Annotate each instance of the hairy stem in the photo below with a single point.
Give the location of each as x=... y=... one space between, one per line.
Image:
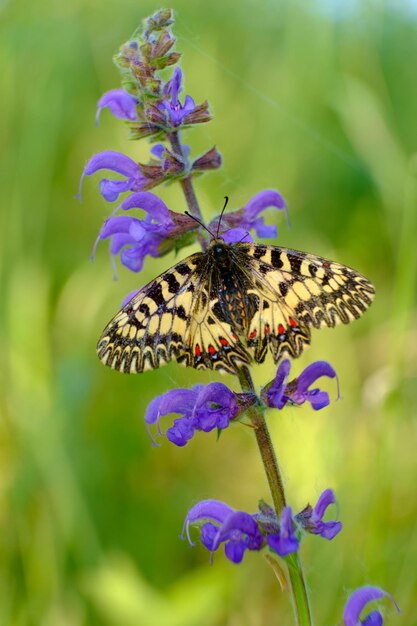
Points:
x=265 y=446
x=186 y=183
x=295 y=572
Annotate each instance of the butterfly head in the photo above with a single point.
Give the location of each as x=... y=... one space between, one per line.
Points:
x=220 y=252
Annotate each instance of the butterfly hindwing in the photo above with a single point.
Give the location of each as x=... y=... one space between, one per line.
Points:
x=213 y=343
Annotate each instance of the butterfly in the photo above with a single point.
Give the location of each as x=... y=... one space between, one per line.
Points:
x=225 y=307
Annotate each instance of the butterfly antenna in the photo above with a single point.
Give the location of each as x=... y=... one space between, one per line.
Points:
x=244 y=237
x=199 y=222
x=226 y=198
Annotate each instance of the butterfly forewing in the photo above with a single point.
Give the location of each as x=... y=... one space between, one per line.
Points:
x=298 y=290
x=150 y=329
x=222 y=308
x=172 y=317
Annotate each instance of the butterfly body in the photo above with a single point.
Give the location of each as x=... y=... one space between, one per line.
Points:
x=225 y=307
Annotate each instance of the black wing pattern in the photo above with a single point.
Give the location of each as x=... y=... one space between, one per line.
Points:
x=171 y=317
x=220 y=312
x=297 y=291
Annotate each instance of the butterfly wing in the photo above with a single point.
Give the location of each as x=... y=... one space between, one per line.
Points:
x=172 y=317
x=297 y=291
x=209 y=318
x=213 y=337
x=149 y=330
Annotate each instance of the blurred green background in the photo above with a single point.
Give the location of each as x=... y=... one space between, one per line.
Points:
x=316 y=102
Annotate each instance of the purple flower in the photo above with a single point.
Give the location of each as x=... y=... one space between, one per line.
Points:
x=236 y=235
x=179 y=401
x=204 y=408
x=280 y=392
x=168 y=164
x=285 y=541
x=239 y=531
x=248 y=218
x=357 y=602
x=138 y=176
x=215 y=407
x=134 y=238
x=312 y=519
x=257 y=204
x=120 y=164
x=121 y=103
x=175 y=112
x=170 y=113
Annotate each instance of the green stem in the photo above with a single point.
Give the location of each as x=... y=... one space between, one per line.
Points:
x=295 y=571
x=299 y=594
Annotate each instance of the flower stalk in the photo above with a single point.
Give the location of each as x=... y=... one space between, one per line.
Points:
x=255 y=412
x=297 y=584
x=187 y=185
x=300 y=601
x=156 y=109
x=266 y=449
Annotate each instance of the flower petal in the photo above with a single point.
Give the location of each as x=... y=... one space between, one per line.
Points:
x=121 y=103
x=318 y=399
x=262 y=201
x=134 y=256
x=266 y=231
x=189 y=105
x=174 y=86
x=274 y=395
x=109 y=160
x=117 y=225
x=311 y=520
x=119 y=241
x=181 y=432
x=373 y=619
x=208 y=534
x=329 y=530
x=235 y=550
x=111 y=189
x=180 y=401
x=312 y=372
x=240 y=522
x=357 y=602
x=285 y=541
x=215 y=406
x=236 y=235
x=158 y=150
x=149 y=202
x=326 y=498
x=214 y=510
